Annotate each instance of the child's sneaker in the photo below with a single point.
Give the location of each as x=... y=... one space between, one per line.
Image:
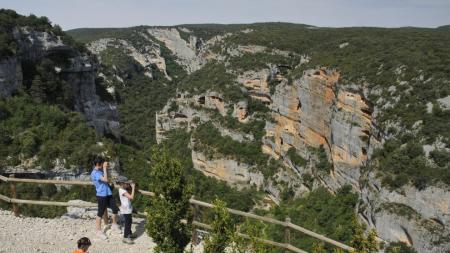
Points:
x=116 y=228
x=127 y=241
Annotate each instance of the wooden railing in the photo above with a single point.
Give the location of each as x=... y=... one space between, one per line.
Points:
x=195 y=205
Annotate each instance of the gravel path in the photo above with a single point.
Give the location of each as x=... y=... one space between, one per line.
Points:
x=24 y=234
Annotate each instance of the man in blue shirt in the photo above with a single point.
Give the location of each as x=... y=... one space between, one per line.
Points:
x=99 y=177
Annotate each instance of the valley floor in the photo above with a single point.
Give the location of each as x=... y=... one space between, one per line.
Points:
x=24 y=234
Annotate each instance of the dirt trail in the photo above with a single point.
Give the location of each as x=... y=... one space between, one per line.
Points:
x=24 y=234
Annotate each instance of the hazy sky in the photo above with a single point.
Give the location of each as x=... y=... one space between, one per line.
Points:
x=336 y=13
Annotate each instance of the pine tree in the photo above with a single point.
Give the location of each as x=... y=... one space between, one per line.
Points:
x=363 y=243
x=165 y=212
x=220 y=237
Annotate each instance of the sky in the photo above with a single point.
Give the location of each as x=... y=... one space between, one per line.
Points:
x=70 y=14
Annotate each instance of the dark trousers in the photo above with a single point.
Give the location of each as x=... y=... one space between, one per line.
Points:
x=128 y=220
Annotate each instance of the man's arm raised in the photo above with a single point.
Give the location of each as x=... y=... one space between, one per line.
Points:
x=104 y=178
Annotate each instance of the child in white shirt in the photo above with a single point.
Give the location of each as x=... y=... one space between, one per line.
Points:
x=126 y=193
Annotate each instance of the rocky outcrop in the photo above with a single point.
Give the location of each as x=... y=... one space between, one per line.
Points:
x=228 y=170
x=80 y=74
x=187 y=111
x=35 y=44
x=420 y=218
x=188 y=53
x=315 y=111
x=148 y=55
x=74 y=212
x=60 y=171
x=100 y=115
x=240 y=111
x=257 y=83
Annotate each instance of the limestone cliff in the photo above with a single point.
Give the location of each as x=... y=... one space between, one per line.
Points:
x=419 y=218
x=80 y=75
x=315 y=111
x=188 y=53
x=145 y=56
x=228 y=170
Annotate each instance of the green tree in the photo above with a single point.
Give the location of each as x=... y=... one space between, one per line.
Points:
x=37 y=90
x=171 y=205
x=323 y=164
x=223 y=229
x=256 y=230
x=363 y=243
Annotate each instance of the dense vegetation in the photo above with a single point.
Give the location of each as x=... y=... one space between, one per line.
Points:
x=28 y=129
x=212 y=77
x=320 y=212
x=209 y=140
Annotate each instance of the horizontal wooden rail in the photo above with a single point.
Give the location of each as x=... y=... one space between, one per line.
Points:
x=44 y=181
x=61 y=182
x=45 y=203
x=240 y=213
x=277 y=222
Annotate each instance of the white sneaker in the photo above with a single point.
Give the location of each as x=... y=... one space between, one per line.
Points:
x=101 y=235
x=116 y=228
x=127 y=241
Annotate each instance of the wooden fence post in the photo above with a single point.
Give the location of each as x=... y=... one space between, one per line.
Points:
x=14 y=196
x=287 y=233
x=195 y=214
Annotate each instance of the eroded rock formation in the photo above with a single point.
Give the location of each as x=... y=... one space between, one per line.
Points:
x=80 y=75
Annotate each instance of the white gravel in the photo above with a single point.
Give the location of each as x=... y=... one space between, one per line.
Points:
x=24 y=234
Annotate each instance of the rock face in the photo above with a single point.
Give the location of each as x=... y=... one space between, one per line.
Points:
x=420 y=218
x=228 y=170
x=314 y=112
x=257 y=83
x=100 y=115
x=80 y=75
x=145 y=56
x=10 y=76
x=188 y=53
x=190 y=111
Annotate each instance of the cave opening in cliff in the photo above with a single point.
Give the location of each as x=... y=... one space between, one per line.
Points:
x=202 y=100
x=367 y=111
x=281 y=141
x=366 y=132
x=364 y=151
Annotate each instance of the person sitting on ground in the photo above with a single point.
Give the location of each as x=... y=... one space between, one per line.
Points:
x=83 y=245
x=126 y=193
x=105 y=199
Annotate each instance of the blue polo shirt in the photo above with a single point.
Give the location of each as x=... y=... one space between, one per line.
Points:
x=101 y=187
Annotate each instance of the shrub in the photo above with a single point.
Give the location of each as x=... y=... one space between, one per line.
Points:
x=171 y=205
x=223 y=230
